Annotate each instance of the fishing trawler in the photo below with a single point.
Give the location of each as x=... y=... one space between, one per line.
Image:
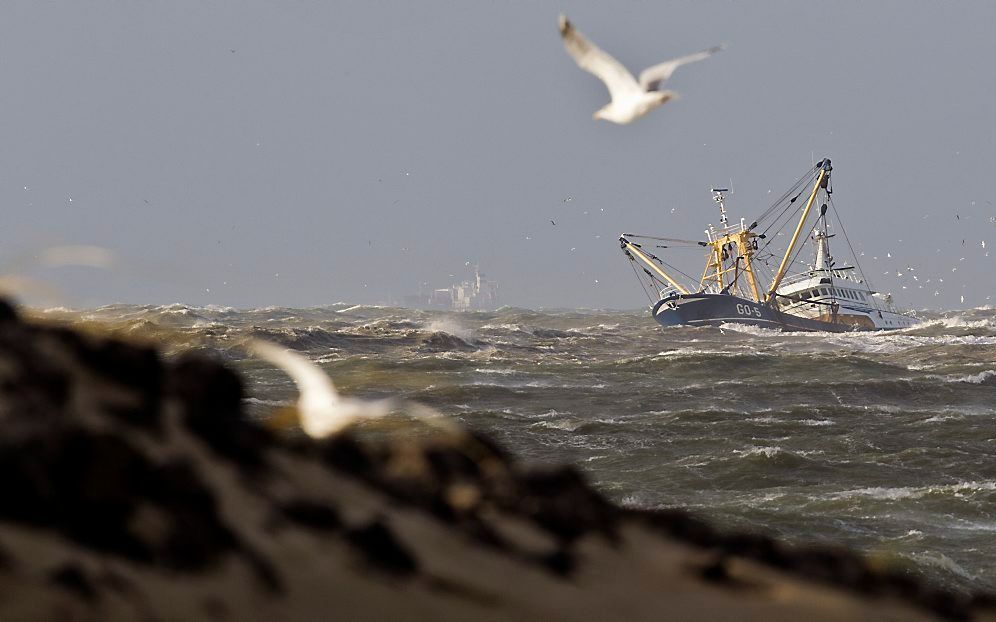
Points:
x=820 y=296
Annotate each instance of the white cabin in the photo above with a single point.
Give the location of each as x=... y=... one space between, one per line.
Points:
x=825 y=290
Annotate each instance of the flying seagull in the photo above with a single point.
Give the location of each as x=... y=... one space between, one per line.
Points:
x=631 y=99
x=320 y=409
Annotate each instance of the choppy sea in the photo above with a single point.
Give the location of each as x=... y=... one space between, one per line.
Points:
x=881 y=441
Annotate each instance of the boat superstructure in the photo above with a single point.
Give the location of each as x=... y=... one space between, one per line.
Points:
x=741 y=283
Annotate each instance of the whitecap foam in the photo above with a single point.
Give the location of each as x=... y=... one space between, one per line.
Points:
x=513 y=328
x=553 y=412
x=681 y=353
x=751 y=329
x=631 y=501
x=567 y=425
x=893 y=342
x=940 y=418
x=450 y=326
x=960 y=321
x=978 y=378
x=764 y=420
x=767 y=452
x=591 y=330
x=961 y=489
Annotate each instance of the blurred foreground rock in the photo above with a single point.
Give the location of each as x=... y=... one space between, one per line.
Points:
x=135 y=489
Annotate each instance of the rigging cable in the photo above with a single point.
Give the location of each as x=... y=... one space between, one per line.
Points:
x=786 y=215
x=853 y=254
x=800 y=182
x=632 y=264
x=670 y=267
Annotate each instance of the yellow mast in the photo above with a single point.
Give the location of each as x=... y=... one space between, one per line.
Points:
x=824 y=171
x=713 y=268
x=714 y=271
x=723 y=241
x=653 y=266
x=749 y=269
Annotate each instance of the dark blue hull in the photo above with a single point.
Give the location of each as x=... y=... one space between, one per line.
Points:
x=717 y=309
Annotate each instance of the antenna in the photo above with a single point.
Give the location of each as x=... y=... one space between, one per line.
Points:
x=717 y=196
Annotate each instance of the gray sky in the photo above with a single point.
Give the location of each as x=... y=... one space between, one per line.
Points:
x=300 y=153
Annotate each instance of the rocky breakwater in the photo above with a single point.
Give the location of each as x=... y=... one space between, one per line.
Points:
x=134 y=488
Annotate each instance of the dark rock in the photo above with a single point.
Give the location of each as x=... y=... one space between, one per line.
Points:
x=833 y=564
x=139 y=368
x=716 y=571
x=73 y=578
x=32 y=380
x=311 y=514
x=212 y=398
x=78 y=482
x=947 y=604
x=679 y=524
x=560 y=562
x=382 y=550
x=483 y=533
x=90 y=486
x=7 y=312
x=346 y=454
x=561 y=502
x=754 y=546
x=196 y=534
x=449 y=463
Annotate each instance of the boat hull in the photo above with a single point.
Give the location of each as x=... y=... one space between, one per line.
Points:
x=716 y=309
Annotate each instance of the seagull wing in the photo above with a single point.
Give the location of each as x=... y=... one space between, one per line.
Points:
x=320 y=410
x=589 y=57
x=316 y=393
x=653 y=77
x=309 y=378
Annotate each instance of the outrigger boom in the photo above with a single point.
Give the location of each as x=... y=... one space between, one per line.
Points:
x=824 y=297
x=635 y=249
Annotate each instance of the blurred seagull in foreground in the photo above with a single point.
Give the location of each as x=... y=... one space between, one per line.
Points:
x=631 y=99
x=320 y=409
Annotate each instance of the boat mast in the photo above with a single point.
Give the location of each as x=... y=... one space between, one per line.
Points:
x=729 y=242
x=820 y=182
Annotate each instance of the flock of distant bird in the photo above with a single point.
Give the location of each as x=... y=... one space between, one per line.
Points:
x=910 y=271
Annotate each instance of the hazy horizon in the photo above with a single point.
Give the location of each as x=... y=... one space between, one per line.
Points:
x=309 y=153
